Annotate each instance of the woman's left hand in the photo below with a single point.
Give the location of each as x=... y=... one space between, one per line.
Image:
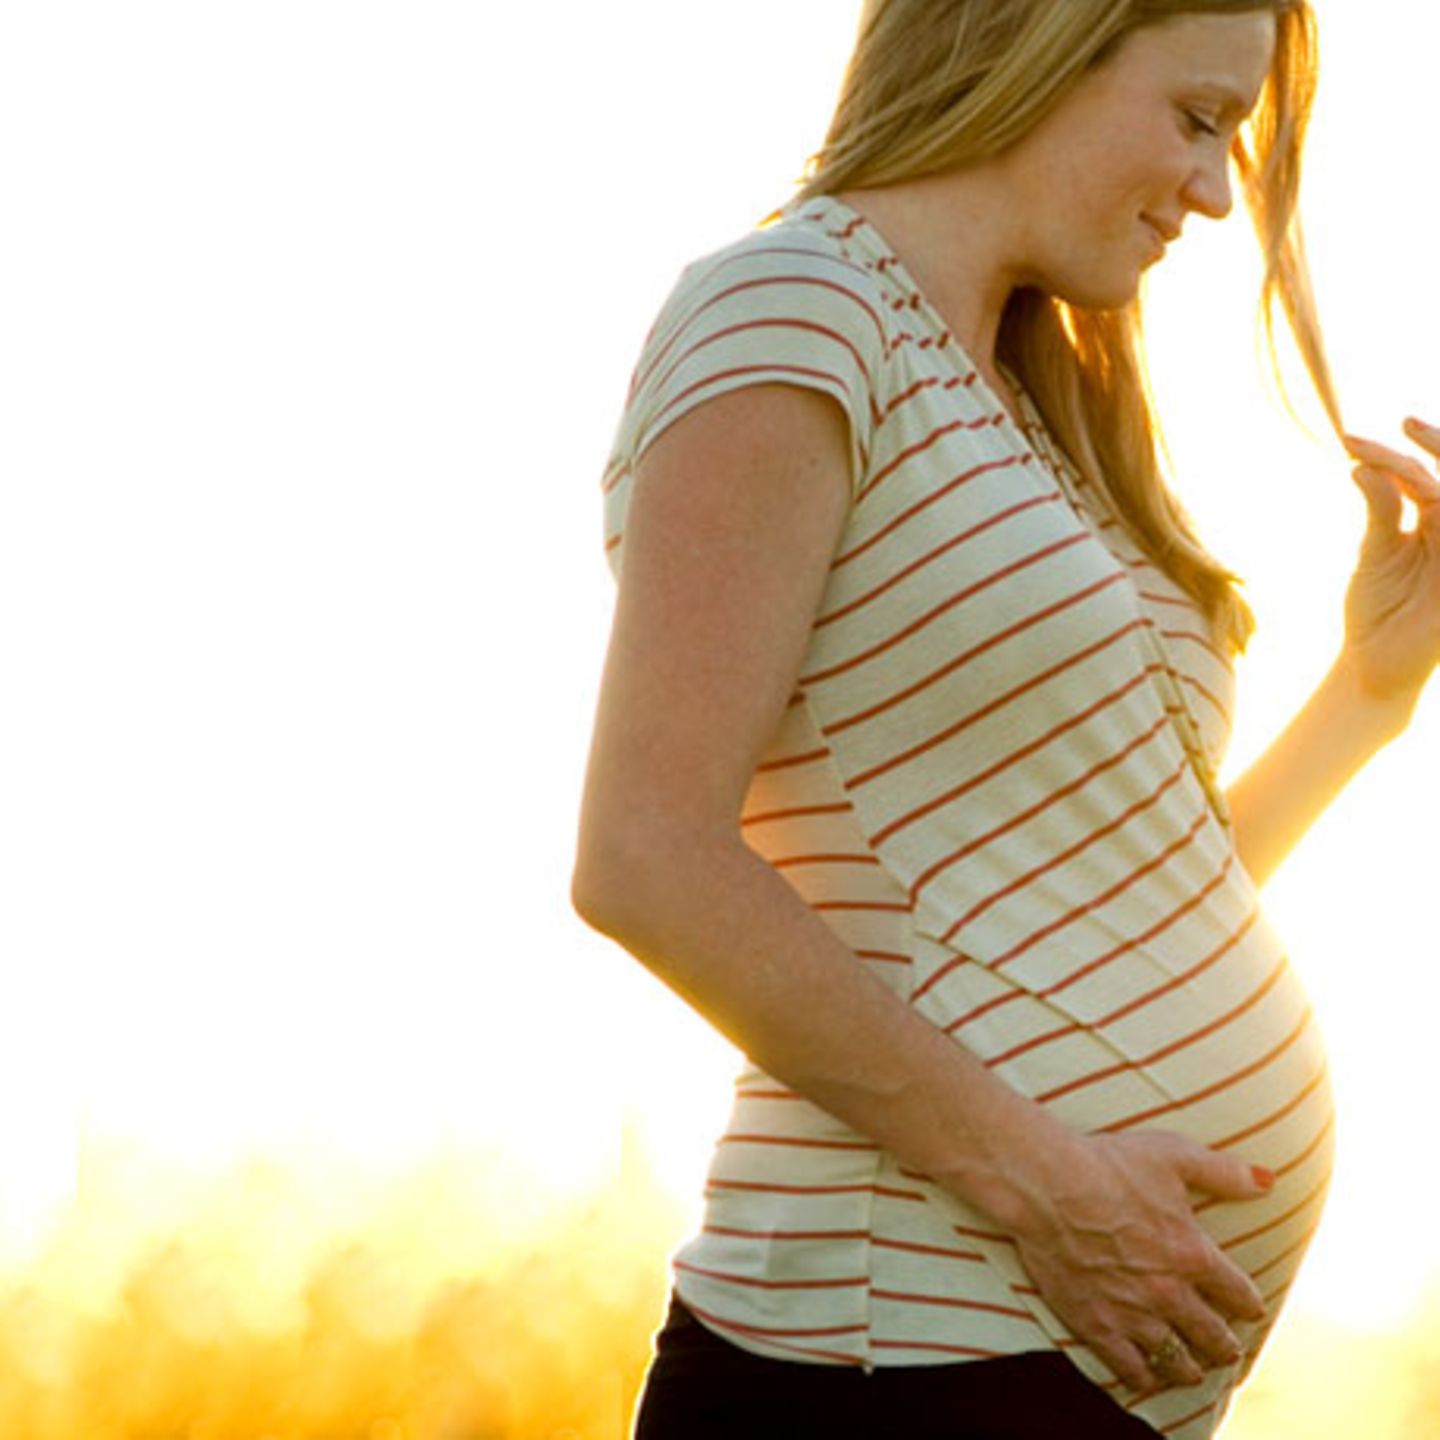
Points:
x=1392 y=606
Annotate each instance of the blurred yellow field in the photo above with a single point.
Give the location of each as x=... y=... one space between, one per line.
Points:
x=461 y=1309
x=469 y=1305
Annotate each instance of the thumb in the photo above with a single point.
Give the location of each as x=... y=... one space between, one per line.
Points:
x=1223 y=1176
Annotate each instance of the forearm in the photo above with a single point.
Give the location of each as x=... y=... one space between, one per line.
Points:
x=719 y=926
x=1338 y=730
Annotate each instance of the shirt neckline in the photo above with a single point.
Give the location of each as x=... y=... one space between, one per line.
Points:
x=850 y=224
x=1026 y=431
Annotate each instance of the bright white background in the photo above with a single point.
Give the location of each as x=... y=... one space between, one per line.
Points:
x=314 y=323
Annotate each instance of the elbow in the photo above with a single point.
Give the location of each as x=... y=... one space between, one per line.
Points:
x=593 y=895
x=640 y=884
x=612 y=877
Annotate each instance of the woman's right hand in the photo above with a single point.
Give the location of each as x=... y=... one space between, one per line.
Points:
x=1113 y=1246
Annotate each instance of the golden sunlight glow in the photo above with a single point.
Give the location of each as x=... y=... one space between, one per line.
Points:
x=326 y=1116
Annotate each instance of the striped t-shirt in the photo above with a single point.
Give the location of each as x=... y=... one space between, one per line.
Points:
x=995 y=782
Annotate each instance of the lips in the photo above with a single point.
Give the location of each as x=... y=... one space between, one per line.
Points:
x=1161 y=234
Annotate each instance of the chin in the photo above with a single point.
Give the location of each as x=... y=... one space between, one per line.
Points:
x=1111 y=292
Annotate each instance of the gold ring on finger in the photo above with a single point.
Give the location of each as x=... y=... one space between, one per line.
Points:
x=1170 y=1351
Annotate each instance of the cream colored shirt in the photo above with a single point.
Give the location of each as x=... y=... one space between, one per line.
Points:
x=996 y=783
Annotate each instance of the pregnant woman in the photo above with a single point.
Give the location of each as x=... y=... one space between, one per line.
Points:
x=904 y=772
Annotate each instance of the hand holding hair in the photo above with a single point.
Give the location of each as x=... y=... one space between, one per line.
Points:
x=1392 y=607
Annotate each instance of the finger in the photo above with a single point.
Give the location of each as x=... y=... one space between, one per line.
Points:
x=1423 y=434
x=1126 y=1361
x=1167 y=1355
x=1384 y=506
x=1372 y=452
x=1207 y=1337
x=1420 y=484
x=1230 y=1291
x=1224 y=1176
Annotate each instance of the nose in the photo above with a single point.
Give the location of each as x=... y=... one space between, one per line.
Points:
x=1209 y=189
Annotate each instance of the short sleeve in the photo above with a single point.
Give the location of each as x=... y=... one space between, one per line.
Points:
x=779 y=308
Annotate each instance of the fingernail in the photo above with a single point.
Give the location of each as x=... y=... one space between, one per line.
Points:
x=1264 y=1178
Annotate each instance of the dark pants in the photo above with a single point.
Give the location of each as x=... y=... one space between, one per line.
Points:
x=701 y=1387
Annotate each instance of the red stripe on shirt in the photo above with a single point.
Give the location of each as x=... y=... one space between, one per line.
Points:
x=785 y=1236
x=789 y=761
x=798 y=812
x=1186 y=976
x=1189 y=1419
x=1287 y=1254
x=1101 y=900
x=776 y=322
x=790 y=861
x=1061 y=857
x=1310 y=1202
x=1174 y=1047
x=1145 y=936
x=932 y=497
x=865 y=1147
x=1244 y=1073
x=900 y=576
x=984 y=422
x=1013 y=757
x=933 y=1347
x=914 y=1247
x=686 y=323
x=719 y=377
x=1275 y=1116
x=953 y=1302
x=748 y=1186
x=969 y=656
x=755 y=1283
x=1132 y=943
x=994 y=577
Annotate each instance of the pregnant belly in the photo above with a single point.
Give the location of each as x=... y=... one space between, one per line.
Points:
x=1215 y=1041
x=1218 y=1043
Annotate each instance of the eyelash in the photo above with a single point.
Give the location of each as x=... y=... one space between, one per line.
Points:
x=1198 y=124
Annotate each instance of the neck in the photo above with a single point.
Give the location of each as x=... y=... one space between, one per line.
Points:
x=952 y=234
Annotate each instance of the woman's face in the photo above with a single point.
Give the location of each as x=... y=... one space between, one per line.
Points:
x=1106 y=181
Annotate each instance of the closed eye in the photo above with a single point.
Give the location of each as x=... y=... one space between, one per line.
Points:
x=1198 y=124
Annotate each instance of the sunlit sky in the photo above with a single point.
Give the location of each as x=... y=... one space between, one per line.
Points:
x=314 y=324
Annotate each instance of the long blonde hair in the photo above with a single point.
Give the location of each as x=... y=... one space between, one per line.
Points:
x=939 y=84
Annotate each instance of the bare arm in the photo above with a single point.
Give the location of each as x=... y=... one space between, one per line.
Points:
x=723 y=569
x=1392 y=643
x=1276 y=801
x=733 y=521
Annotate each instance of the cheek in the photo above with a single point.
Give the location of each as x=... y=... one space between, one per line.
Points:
x=1168 y=160
x=1138 y=189
x=1114 y=207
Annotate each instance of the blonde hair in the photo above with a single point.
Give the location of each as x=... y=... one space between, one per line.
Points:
x=939 y=84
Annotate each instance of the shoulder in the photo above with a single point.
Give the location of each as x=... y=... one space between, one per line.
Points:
x=788 y=304
x=799 y=266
